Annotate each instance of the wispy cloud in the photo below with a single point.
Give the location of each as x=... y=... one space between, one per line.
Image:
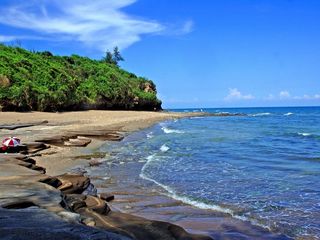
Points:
x=286 y=95
x=4 y=38
x=235 y=94
x=187 y=27
x=99 y=24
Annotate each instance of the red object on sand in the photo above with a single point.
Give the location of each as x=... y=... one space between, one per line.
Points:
x=10 y=142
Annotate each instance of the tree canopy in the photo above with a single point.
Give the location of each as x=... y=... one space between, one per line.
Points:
x=42 y=81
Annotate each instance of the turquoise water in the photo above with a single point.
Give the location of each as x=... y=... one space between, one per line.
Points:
x=263 y=167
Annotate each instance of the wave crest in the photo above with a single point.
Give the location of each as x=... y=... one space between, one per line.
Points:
x=168 y=130
x=304 y=134
x=164 y=148
x=260 y=114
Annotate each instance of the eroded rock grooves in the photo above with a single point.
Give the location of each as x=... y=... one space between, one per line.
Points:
x=34 y=205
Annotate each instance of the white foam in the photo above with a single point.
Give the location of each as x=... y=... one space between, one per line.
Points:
x=164 y=148
x=260 y=114
x=149 y=159
x=172 y=194
x=168 y=130
x=150 y=135
x=197 y=117
x=288 y=114
x=304 y=134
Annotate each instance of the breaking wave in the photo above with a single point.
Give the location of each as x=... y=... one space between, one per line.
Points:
x=168 y=130
x=164 y=148
x=260 y=114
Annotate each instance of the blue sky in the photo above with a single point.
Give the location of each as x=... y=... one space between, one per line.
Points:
x=200 y=53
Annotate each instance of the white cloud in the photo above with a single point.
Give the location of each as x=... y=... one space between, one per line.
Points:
x=235 y=94
x=187 y=27
x=7 y=38
x=270 y=97
x=99 y=24
x=284 y=94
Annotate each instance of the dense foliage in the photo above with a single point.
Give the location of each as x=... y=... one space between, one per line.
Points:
x=44 y=82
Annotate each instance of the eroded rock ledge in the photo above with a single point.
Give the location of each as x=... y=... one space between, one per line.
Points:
x=34 y=205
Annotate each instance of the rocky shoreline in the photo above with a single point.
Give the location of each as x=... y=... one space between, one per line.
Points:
x=36 y=205
x=45 y=195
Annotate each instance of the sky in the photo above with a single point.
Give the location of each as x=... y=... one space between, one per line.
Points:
x=199 y=53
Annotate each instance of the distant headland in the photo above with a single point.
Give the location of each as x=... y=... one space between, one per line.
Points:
x=41 y=81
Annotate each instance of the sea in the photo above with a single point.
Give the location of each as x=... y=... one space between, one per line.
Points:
x=262 y=166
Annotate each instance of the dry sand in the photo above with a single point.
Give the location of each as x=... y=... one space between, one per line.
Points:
x=58 y=160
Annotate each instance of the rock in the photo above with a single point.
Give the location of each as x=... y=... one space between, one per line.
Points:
x=33 y=147
x=22 y=125
x=73 y=183
x=89 y=222
x=96 y=204
x=35 y=223
x=90 y=190
x=139 y=228
x=57 y=140
x=106 y=196
x=75 y=201
x=78 y=142
x=95 y=162
x=70 y=216
x=52 y=181
x=105 y=135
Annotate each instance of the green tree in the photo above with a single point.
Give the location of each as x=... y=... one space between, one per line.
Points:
x=109 y=58
x=117 y=56
x=113 y=58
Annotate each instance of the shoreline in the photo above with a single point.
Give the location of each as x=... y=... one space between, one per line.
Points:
x=60 y=136
x=59 y=159
x=147 y=198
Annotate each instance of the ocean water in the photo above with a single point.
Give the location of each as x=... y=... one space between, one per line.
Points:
x=263 y=167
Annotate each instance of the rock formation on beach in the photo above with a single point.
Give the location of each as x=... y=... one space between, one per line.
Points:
x=34 y=205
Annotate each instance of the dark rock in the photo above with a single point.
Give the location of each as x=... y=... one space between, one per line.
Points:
x=33 y=147
x=34 y=223
x=106 y=196
x=52 y=181
x=90 y=190
x=22 y=125
x=96 y=204
x=75 y=201
x=73 y=183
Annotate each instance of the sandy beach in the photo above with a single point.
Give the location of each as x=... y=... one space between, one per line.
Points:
x=54 y=144
x=73 y=139
x=123 y=122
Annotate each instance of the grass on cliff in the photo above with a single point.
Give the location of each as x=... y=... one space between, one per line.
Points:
x=40 y=81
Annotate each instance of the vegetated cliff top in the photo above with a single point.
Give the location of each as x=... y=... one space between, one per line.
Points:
x=40 y=81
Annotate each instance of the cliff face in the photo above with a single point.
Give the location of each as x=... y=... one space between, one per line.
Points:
x=40 y=81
